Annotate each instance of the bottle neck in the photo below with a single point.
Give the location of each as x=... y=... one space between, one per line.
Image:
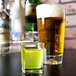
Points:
x=29 y=1
x=33 y=1
x=17 y=2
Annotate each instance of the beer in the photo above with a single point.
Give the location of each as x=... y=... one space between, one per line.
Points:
x=52 y=34
x=51 y=27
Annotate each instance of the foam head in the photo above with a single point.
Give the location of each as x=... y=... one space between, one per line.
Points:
x=47 y=10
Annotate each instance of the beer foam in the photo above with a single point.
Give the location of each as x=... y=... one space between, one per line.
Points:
x=48 y=10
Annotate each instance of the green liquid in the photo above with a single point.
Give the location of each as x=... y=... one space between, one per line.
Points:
x=32 y=58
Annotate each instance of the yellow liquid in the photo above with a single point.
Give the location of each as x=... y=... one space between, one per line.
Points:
x=32 y=58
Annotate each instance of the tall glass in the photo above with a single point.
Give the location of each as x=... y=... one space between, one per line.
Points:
x=51 y=27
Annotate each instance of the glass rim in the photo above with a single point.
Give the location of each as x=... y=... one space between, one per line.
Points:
x=32 y=43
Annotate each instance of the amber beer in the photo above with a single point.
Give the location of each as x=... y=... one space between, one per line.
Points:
x=51 y=27
x=52 y=34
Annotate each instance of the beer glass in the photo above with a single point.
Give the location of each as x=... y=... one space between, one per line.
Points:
x=51 y=27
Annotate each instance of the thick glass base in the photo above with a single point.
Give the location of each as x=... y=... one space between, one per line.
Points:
x=32 y=71
x=54 y=60
x=29 y=74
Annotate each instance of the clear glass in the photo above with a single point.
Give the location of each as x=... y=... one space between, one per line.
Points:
x=32 y=57
x=31 y=36
x=51 y=28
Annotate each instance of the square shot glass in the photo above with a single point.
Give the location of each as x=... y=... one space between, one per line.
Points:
x=32 y=57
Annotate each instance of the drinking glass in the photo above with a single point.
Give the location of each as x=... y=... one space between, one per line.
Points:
x=51 y=27
x=32 y=57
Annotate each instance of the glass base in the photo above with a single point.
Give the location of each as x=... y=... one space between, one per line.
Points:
x=54 y=60
x=29 y=74
x=32 y=71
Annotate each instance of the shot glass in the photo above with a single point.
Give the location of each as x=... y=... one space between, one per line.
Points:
x=32 y=57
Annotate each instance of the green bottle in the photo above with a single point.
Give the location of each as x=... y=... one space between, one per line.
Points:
x=30 y=15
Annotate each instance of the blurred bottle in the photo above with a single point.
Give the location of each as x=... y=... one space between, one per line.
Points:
x=30 y=19
x=17 y=16
x=4 y=29
x=1 y=5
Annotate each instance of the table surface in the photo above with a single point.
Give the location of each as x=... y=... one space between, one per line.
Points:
x=10 y=65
